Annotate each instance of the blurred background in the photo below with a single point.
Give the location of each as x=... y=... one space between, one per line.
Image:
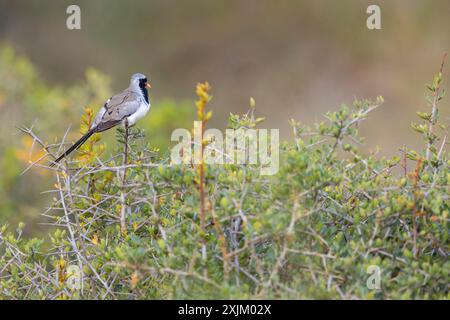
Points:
x=298 y=59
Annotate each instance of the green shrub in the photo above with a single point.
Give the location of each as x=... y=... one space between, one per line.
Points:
x=310 y=231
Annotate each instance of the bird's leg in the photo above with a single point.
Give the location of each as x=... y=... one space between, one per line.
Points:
x=126 y=143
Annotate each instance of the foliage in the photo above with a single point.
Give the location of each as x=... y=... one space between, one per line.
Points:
x=25 y=99
x=310 y=231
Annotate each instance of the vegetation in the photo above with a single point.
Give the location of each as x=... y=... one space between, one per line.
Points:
x=25 y=98
x=203 y=231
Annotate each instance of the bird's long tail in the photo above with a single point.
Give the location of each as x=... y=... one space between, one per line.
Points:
x=75 y=146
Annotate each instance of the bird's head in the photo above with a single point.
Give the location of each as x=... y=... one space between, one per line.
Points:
x=139 y=80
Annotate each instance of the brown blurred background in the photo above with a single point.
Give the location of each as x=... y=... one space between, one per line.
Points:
x=298 y=59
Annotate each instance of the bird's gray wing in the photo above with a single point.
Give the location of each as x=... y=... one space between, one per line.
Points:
x=98 y=118
x=116 y=109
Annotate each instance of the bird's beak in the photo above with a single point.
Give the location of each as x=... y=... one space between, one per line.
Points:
x=148 y=85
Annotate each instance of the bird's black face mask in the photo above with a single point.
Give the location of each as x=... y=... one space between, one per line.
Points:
x=142 y=85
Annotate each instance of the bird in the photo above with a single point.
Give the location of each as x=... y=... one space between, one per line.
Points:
x=125 y=108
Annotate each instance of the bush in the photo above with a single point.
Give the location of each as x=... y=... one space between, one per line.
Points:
x=26 y=99
x=316 y=229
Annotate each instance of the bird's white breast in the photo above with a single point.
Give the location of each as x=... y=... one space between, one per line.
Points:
x=140 y=113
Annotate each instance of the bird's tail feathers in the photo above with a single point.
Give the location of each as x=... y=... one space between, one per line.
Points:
x=75 y=146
